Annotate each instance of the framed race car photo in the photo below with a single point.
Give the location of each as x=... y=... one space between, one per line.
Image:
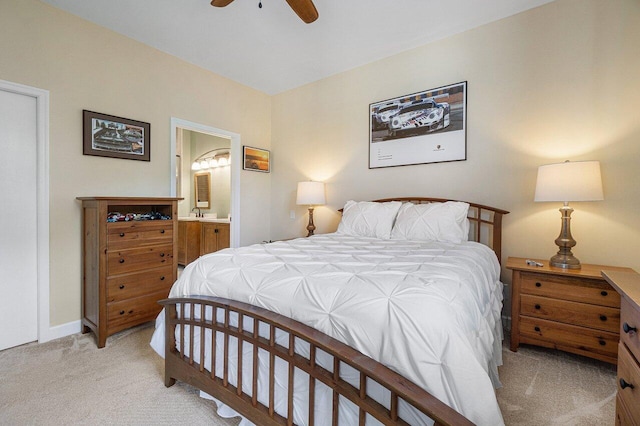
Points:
x=424 y=127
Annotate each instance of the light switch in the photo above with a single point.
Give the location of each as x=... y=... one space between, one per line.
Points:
x=292 y=214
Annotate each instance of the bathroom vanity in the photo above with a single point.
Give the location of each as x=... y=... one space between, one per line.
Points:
x=200 y=236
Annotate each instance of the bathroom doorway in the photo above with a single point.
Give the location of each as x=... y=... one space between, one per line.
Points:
x=206 y=159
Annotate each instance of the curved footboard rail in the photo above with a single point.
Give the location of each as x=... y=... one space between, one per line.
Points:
x=208 y=337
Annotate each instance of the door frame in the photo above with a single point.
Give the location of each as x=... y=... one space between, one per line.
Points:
x=236 y=167
x=45 y=333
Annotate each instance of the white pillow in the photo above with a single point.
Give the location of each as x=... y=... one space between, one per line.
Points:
x=368 y=218
x=445 y=222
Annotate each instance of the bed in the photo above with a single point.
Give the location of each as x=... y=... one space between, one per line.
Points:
x=393 y=319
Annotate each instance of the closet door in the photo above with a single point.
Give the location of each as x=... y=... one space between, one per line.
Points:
x=18 y=227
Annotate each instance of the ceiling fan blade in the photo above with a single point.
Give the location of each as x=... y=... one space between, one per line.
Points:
x=220 y=3
x=305 y=9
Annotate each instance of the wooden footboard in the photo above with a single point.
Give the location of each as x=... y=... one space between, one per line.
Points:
x=241 y=321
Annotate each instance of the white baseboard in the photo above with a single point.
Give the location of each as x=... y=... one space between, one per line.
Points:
x=60 y=331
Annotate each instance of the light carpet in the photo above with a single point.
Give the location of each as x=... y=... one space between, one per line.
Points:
x=70 y=382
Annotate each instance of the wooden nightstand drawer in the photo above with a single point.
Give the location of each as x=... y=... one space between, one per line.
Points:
x=121 y=315
x=595 y=292
x=623 y=415
x=581 y=340
x=631 y=317
x=138 y=284
x=124 y=261
x=582 y=314
x=629 y=381
x=122 y=235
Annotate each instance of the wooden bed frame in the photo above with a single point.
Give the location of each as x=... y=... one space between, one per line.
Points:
x=241 y=321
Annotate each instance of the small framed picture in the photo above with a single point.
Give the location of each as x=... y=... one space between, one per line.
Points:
x=109 y=136
x=256 y=159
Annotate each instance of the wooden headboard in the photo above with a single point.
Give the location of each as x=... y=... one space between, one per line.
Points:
x=485 y=223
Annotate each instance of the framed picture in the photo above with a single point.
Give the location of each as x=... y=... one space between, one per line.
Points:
x=256 y=159
x=108 y=136
x=424 y=127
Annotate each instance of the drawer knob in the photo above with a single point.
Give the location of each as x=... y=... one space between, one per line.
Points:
x=162 y=278
x=604 y=293
x=538 y=284
x=629 y=329
x=624 y=384
x=602 y=342
x=162 y=232
x=603 y=317
x=121 y=260
x=122 y=234
x=121 y=312
x=121 y=286
x=537 y=306
x=536 y=328
x=161 y=254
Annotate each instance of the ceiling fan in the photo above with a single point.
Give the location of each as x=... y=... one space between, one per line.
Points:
x=305 y=9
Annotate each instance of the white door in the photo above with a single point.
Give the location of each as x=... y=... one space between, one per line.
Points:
x=18 y=227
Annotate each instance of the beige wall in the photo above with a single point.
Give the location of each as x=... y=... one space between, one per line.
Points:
x=85 y=66
x=554 y=83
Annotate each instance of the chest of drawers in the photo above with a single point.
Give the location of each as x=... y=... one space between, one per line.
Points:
x=628 y=398
x=572 y=310
x=127 y=266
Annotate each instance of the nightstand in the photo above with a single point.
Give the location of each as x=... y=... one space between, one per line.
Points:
x=574 y=310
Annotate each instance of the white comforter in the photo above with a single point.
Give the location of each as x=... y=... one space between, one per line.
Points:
x=428 y=310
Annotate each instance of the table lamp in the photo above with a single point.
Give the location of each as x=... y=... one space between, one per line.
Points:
x=311 y=194
x=568 y=181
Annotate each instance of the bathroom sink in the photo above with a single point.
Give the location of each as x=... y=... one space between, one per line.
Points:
x=189 y=218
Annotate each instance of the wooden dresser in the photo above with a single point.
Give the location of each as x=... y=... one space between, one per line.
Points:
x=574 y=310
x=628 y=399
x=127 y=265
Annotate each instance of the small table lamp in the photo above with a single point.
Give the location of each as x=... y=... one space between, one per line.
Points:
x=311 y=194
x=568 y=181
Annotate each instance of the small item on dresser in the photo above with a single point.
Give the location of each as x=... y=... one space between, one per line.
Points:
x=533 y=263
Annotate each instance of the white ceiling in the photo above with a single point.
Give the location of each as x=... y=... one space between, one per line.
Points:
x=271 y=49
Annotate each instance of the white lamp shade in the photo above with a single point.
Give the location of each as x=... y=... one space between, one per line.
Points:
x=310 y=193
x=569 y=181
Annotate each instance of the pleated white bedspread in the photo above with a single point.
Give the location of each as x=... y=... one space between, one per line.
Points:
x=428 y=310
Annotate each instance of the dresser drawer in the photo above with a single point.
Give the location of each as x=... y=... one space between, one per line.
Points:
x=134 y=234
x=631 y=317
x=623 y=414
x=121 y=315
x=148 y=257
x=629 y=371
x=592 y=316
x=566 y=337
x=596 y=292
x=138 y=284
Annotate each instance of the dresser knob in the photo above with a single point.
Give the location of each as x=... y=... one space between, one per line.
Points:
x=121 y=286
x=629 y=329
x=624 y=384
x=161 y=254
x=536 y=328
x=537 y=306
x=162 y=232
x=121 y=312
x=538 y=285
x=602 y=342
x=121 y=260
x=162 y=278
x=122 y=234
x=604 y=293
x=603 y=317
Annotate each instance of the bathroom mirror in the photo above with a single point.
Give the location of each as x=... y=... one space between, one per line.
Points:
x=202 y=185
